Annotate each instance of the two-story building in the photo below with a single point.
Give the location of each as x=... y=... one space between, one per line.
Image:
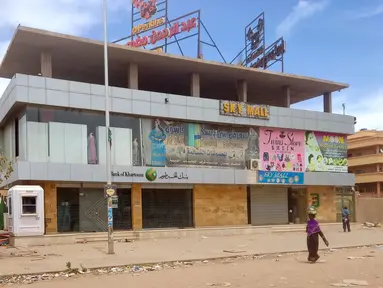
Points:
x=365 y=152
x=194 y=143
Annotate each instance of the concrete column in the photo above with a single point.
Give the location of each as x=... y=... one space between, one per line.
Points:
x=136 y=203
x=242 y=90
x=195 y=85
x=46 y=64
x=378 y=189
x=286 y=97
x=327 y=102
x=377 y=149
x=377 y=167
x=133 y=76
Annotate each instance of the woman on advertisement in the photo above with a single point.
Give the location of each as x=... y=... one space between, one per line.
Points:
x=157 y=136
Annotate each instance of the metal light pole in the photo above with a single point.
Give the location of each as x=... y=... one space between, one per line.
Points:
x=344 y=108
x=107 y=124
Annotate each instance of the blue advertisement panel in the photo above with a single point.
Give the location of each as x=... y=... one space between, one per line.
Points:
x=281 y=178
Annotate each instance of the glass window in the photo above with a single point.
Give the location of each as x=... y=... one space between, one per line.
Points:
x=29 y=204
x=91 y=120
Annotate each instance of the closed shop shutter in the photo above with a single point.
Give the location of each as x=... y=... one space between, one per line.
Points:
x=167 y=208
x=269 y=205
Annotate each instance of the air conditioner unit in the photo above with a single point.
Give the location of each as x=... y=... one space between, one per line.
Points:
x=254 y=164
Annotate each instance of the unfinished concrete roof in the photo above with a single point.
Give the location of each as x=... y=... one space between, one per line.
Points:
x=81 y=54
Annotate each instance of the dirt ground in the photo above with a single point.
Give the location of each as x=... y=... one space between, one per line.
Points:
x=92 y=255
x=336 y=268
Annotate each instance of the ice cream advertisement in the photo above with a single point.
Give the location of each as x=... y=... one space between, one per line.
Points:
x=325 y=152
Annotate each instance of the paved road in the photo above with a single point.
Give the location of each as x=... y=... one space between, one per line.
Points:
x=290 y=271
x=91 y=255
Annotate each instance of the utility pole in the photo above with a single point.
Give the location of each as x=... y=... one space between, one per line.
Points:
x=109 y=189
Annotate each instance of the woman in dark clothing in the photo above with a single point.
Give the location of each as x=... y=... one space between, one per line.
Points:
x=313 y=232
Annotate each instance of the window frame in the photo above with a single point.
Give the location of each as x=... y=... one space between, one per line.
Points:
x=28 y=205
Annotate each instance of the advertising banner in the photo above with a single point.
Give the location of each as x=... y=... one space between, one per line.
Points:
x=282 y=150
x=170 y=143
x=281 y=178
x=325 y=152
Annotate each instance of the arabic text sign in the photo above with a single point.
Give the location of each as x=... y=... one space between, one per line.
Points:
x=175 y=29
x=325 y=152
x=281 y=178
x=175 y=175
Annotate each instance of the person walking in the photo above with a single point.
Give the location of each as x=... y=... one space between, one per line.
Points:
x=346 y=219
x=313 y=232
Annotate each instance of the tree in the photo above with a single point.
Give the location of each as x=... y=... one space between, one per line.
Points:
x=6 y=167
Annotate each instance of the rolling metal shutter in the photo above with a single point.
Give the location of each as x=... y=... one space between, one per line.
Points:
x=269 y=205
x=167 y=208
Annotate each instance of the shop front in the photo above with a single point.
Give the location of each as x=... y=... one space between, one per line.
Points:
x=85 y=210
x=167 y=207
x=172 y=174
x=269 y=205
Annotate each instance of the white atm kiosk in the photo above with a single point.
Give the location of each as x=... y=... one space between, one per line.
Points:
x=26 y=210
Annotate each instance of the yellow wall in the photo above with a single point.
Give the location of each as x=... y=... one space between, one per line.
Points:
x=50 y=207
x=220 y=205
x=327 y=199
x=136 y=207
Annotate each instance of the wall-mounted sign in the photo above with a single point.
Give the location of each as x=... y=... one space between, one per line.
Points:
x=151 y=174
x=148 y=25
x=325 y=152
x=169 y=143
x=126 y=174
x=166 y=33
x=175 y=175
x=282 y=150
x=242 y=109
x=281 y=178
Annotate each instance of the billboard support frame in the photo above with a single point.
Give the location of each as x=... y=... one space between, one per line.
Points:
x=167 y=24
x=252 y=62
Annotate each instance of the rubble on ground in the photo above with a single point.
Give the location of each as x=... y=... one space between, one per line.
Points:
x=132 y=269
x=350 y=283
x=136 y=270
x=371 y=225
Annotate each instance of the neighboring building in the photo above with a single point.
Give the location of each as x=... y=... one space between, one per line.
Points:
x=365 y=159
x=180 y=158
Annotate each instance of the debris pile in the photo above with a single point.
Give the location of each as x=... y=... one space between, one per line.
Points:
x=135 y=270
x=371 y=225
x=350 y=283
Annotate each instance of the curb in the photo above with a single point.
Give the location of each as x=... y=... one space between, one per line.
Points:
x=234 y=256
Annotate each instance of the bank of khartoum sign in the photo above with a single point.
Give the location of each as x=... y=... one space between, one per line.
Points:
x=242 y=109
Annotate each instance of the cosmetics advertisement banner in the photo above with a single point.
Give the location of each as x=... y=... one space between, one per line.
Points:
x=281 y=150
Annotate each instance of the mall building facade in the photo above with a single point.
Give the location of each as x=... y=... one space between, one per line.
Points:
x=193 y=143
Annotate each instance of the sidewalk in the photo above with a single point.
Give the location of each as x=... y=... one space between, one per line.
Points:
x=93 y=255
